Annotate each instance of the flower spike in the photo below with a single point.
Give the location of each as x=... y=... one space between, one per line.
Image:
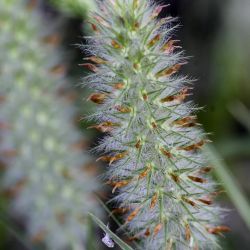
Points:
x=153 y=144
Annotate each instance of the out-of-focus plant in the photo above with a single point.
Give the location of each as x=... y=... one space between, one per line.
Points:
x=46 y=174
x=154 y=144
x=75 y=7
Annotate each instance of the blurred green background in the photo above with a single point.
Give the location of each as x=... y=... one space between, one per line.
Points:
x=216 y=34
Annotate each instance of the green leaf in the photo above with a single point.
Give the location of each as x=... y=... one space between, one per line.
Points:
x=231 y=187
x=116 y=239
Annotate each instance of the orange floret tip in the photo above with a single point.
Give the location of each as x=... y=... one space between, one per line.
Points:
x=96 y=60
x=157 y=229
x=154 y=41
x=105 y=126
x=178 y=97
x=111 y=159
x=132 y=215
x=154 y=200
x=158 y=10
x=169 y=71
x=147 y=232
x=218 y=229
x=145 y=172
x=169 y=46
x=166 y=153
x=206 y=201
x=116 y=45
x=89 y=66
x=97 y=98
x=197 y=179
x=187 y=232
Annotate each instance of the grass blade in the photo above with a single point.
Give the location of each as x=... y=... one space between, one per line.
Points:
x=116 y=239
x=232 y=188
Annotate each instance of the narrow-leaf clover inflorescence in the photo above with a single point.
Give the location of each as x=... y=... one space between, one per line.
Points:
x=153 y=144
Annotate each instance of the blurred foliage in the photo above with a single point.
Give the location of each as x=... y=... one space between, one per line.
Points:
x=75 y=7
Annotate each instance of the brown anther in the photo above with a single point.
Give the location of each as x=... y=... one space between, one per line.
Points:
x=111 y=159
x=4 y=125
x=2 y=99
x=119 y=85
x=145 y=97
x=58 y=70
x=96 y=60
x=145 y=172
x=105 y=126
x=183 y=94
x=154 y=41
x=154 y=125
x=120 y=210
x=205 y=201
x=136 y=26
x=169 y=71
x=53 y=39
x=158 y=10
x=67 y=174
x=94 y=27
x=169 y=46
x=147 y=232
x=9 y=153
x=123 y=109
x=175 y=177
x=89 y=66
x=178 y=97
x=133 y=238
x=166 y=152
x=188 y=121
x=31 y=4
x=15 y=189
x=116 y=45
x=97 y=98
x=157 y=229
x=187 y=232
x=60 y=217
x=119 y=184
x=132 y=215
x=205 y=170
x=136 y=66
x=218 y=229
x=154 y=200
x=216 y=193
x=195 y=146
x=138 y=144
x=197 y=179
x=190 y=202
x=38 y=237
